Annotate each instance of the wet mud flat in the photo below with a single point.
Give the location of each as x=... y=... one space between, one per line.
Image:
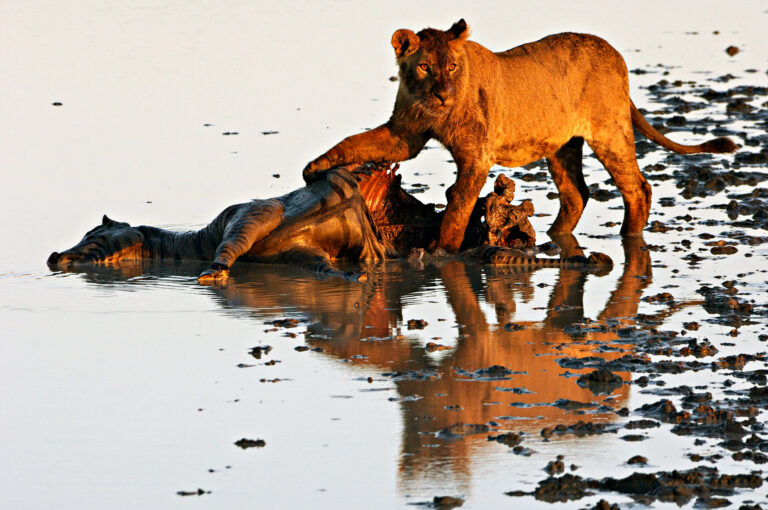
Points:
x=677 y=355
x=655 y=395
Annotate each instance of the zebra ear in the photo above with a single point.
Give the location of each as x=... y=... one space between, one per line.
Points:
x=107 y=222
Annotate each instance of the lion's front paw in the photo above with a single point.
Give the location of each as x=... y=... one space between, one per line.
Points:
x=210 y=276
x=315 y=169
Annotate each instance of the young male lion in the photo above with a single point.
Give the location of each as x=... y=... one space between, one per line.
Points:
x=538 y=100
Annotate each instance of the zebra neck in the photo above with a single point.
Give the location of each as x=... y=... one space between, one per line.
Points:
x=194 y=245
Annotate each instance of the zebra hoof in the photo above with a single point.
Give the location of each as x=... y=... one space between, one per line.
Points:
x=210 y=276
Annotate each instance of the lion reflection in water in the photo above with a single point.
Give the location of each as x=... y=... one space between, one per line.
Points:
x=357 y=312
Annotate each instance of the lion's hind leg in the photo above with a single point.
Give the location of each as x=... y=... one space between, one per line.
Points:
x=617 y=155
x=566 y=169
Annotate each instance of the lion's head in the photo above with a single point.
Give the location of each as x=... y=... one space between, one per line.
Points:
x=109 y=242
x=432 y=70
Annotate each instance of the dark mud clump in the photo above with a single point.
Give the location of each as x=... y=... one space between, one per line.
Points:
x=250 y=443
x=642 y=424
x=580 y=428
x=260 y=350
x=198 y=492
x=562 y=489
x=492 y=373
x=679 y=487
x=509 y=439
x=447 y=502
x=556 y=466
x=604 y=505
x=600 y=381
x=285 y=323
x=664 y=410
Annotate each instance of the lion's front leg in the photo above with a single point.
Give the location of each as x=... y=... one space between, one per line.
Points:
x=461 y=200
x=384 y=143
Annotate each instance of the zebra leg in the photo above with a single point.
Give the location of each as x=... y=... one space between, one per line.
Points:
x=317 y=260
x=247 y=226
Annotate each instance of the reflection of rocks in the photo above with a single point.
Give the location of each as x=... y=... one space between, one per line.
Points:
x=459 y=430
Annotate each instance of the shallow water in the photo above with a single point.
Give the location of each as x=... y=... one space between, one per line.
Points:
x=122 y=386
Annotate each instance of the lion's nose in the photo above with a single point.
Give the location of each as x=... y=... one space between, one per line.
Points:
x=439 y=95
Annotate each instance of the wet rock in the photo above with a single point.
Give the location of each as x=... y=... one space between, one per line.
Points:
x=284 y=323
x=580 y=429
x=245 y=443
x=637 y=459
x=492 y=373
x=572 y=405
x=260 y=350
x=642 y=424
x=718 y=302
x=698 y=349
x=756 y=457
x=636 y=483
x=604 y=505
x=413 y=375
x=565 y=488
x=555 y=467
x=633 y=437
x=509 y=439
x=600 y=381
x=676 y=121
x=752 y=158
x=664 y=410
x=664 y=297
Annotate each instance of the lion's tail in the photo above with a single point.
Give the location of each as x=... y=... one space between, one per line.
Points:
x=716 y=145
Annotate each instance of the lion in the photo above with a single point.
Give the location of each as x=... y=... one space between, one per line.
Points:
x=540 y=100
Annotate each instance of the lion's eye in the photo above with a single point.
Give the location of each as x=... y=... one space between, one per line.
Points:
x=452 y=67
x=424 y=67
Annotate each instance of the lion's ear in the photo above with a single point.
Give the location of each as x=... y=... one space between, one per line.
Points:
x=405 y=42
x=459 y=30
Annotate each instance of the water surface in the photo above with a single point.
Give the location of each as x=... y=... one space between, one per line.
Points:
x=123 y=386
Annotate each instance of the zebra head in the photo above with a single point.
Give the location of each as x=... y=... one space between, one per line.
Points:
x=111 y=241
